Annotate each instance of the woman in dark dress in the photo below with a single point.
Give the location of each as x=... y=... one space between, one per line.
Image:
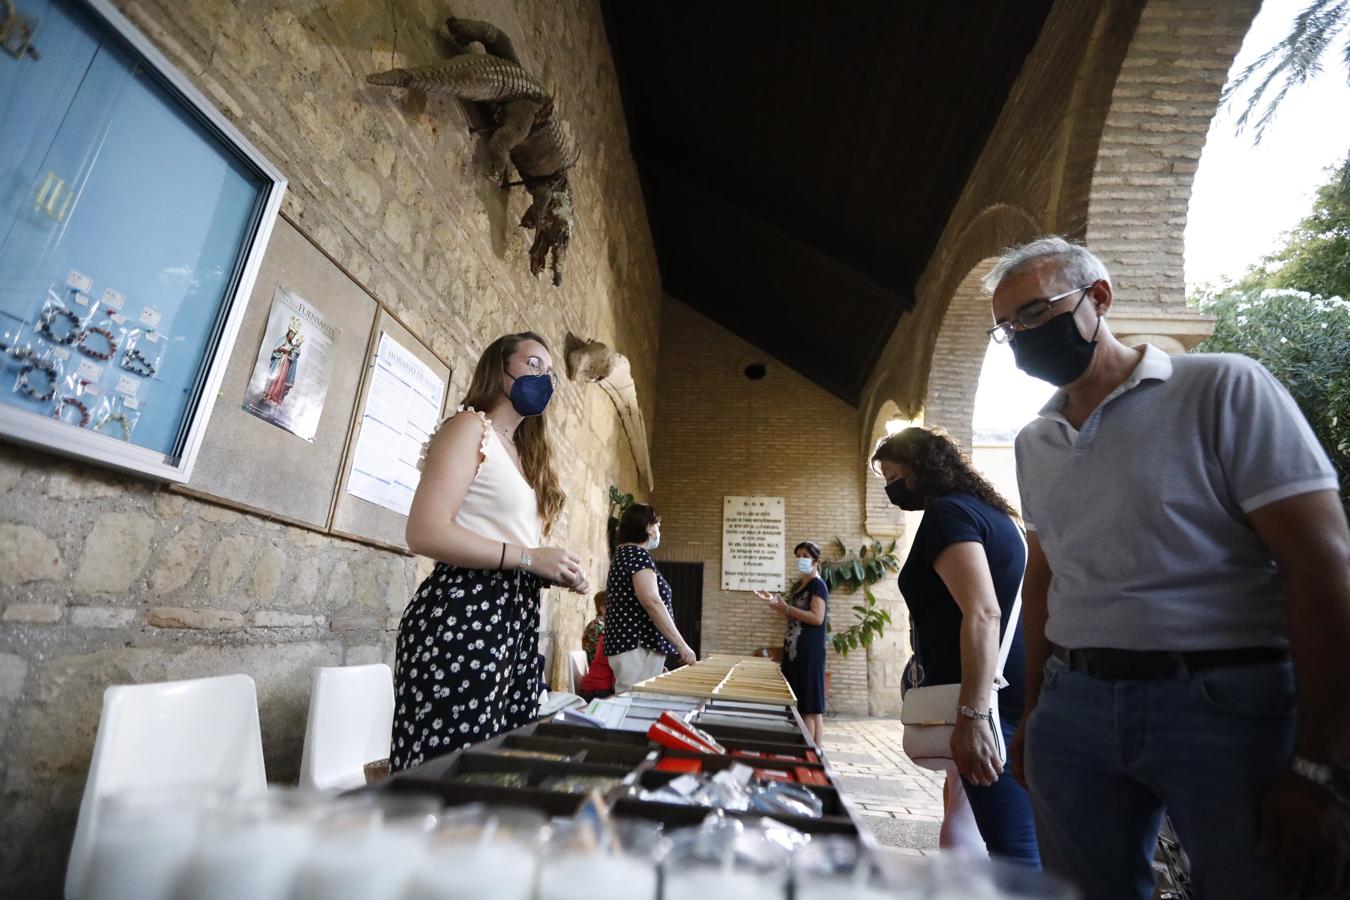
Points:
x=960 y=582
x=807 y=612
x=467 y=664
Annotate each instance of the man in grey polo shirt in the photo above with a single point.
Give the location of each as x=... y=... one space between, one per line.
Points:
x=1187 y=555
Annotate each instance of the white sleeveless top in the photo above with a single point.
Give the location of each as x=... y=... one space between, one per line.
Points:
x=500 y=504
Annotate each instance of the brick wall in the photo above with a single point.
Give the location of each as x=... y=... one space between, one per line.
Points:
x=1161 y=108
x=106 y=579
x=720 y=434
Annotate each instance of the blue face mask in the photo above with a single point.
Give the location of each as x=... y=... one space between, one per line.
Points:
x=804 y=564
x=530 y=393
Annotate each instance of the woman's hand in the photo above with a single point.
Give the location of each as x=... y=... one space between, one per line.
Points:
x=775 y=602
x=975 y=751
x=557 y=565
x=686 y=654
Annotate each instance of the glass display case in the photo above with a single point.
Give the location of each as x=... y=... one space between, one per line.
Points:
x=133 y=217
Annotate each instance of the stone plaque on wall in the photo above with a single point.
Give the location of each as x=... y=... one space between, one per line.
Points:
x=754 y=530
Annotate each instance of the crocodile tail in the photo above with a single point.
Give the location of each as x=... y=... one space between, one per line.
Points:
x=472 y=76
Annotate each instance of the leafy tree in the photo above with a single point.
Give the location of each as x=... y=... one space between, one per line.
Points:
x=1304 y=340
x=1292 y=62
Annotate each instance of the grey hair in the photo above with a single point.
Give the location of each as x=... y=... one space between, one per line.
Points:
x=1079 y=265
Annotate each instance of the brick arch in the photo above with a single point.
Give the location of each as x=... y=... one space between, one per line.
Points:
x=958 y=357
x=1160 y=110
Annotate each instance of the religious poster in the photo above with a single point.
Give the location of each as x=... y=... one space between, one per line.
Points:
x=403 y=407
x=290 y=378
x=754 y=531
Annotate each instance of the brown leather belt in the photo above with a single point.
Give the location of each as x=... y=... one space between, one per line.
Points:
x=1103 y=662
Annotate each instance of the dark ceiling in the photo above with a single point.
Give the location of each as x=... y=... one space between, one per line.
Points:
x=800 y=158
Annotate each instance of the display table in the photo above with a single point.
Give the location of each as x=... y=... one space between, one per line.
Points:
x=741 y=703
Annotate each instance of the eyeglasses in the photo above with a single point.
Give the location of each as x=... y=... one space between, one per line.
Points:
x=535 y=366
x=1031 y=315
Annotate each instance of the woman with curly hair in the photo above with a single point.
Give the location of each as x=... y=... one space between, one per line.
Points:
x=960 y=582
x=467 y=664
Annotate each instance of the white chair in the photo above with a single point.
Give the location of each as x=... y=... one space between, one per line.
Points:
x=201 y=733
x=351 y=715
x=577 y=666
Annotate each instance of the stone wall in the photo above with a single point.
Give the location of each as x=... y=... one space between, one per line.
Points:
x=719 y=433
x=106 y=579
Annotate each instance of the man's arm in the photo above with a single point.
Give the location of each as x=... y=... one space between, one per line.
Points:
x=1302 y=825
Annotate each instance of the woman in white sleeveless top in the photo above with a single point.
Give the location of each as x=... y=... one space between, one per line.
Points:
x=467 y=664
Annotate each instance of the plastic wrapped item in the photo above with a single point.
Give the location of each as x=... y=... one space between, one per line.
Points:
x=727 y=859
x=116 y=416
x=787 y=799
x=39 y=375
x=143 y=352
x=478 y=852
x=367 y=849
x=834 y=867
x=589 y=859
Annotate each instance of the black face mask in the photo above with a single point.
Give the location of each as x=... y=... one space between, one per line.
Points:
x=1055 y=352
x=900 y=494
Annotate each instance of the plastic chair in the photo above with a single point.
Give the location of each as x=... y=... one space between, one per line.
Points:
x=201 y=733
x=577 y=666
x=351 y=715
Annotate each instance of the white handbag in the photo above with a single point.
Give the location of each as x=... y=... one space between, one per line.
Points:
x=928 y=714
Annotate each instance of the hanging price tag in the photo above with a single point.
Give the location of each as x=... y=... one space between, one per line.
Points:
x=89 y=372
x=128 y=386
x=113 y=299
x=79 y=281
x=150 y=317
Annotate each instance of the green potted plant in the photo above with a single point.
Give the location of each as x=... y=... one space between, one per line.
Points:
x=848 y=574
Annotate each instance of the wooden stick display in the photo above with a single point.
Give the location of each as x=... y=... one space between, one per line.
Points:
x=752 y=678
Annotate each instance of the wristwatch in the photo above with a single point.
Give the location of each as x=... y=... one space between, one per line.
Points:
x=1334 y=779
x=972 y=713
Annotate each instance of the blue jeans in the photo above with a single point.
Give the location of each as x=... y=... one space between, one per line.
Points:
x=1003 y=809
x=1104 y=758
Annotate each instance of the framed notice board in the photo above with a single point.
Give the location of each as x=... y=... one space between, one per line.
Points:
x=402 y=401
x=253 y=462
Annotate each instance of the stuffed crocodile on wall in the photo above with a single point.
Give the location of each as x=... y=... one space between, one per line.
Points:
x=525 y=128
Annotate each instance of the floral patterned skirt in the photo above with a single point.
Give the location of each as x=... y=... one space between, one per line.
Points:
x=467 y=666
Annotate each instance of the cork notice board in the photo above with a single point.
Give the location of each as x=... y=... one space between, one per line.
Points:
x=354 y=517
x=252 y=463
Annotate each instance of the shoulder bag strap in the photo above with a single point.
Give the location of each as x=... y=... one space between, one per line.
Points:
x=1014 y=614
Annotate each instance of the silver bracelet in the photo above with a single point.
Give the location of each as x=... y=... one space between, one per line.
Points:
x=972 y=713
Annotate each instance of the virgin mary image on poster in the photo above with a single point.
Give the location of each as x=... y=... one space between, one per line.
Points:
x=290 y=377
x=285 y=359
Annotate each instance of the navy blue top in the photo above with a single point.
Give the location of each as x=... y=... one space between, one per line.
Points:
x=627 y=625
x=950 y=519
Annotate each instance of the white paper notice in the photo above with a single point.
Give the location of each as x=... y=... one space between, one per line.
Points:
x=754 y=530
x=403 y=406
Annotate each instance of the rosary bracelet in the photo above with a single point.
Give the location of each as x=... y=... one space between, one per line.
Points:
x=119 y=419
x=31 y=364
x=90 y=351
x=135 y=361
x=72 y=401
x=50 y=316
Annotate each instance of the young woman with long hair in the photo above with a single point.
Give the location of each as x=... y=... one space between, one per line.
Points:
x=960 y=581
x=467 y=665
